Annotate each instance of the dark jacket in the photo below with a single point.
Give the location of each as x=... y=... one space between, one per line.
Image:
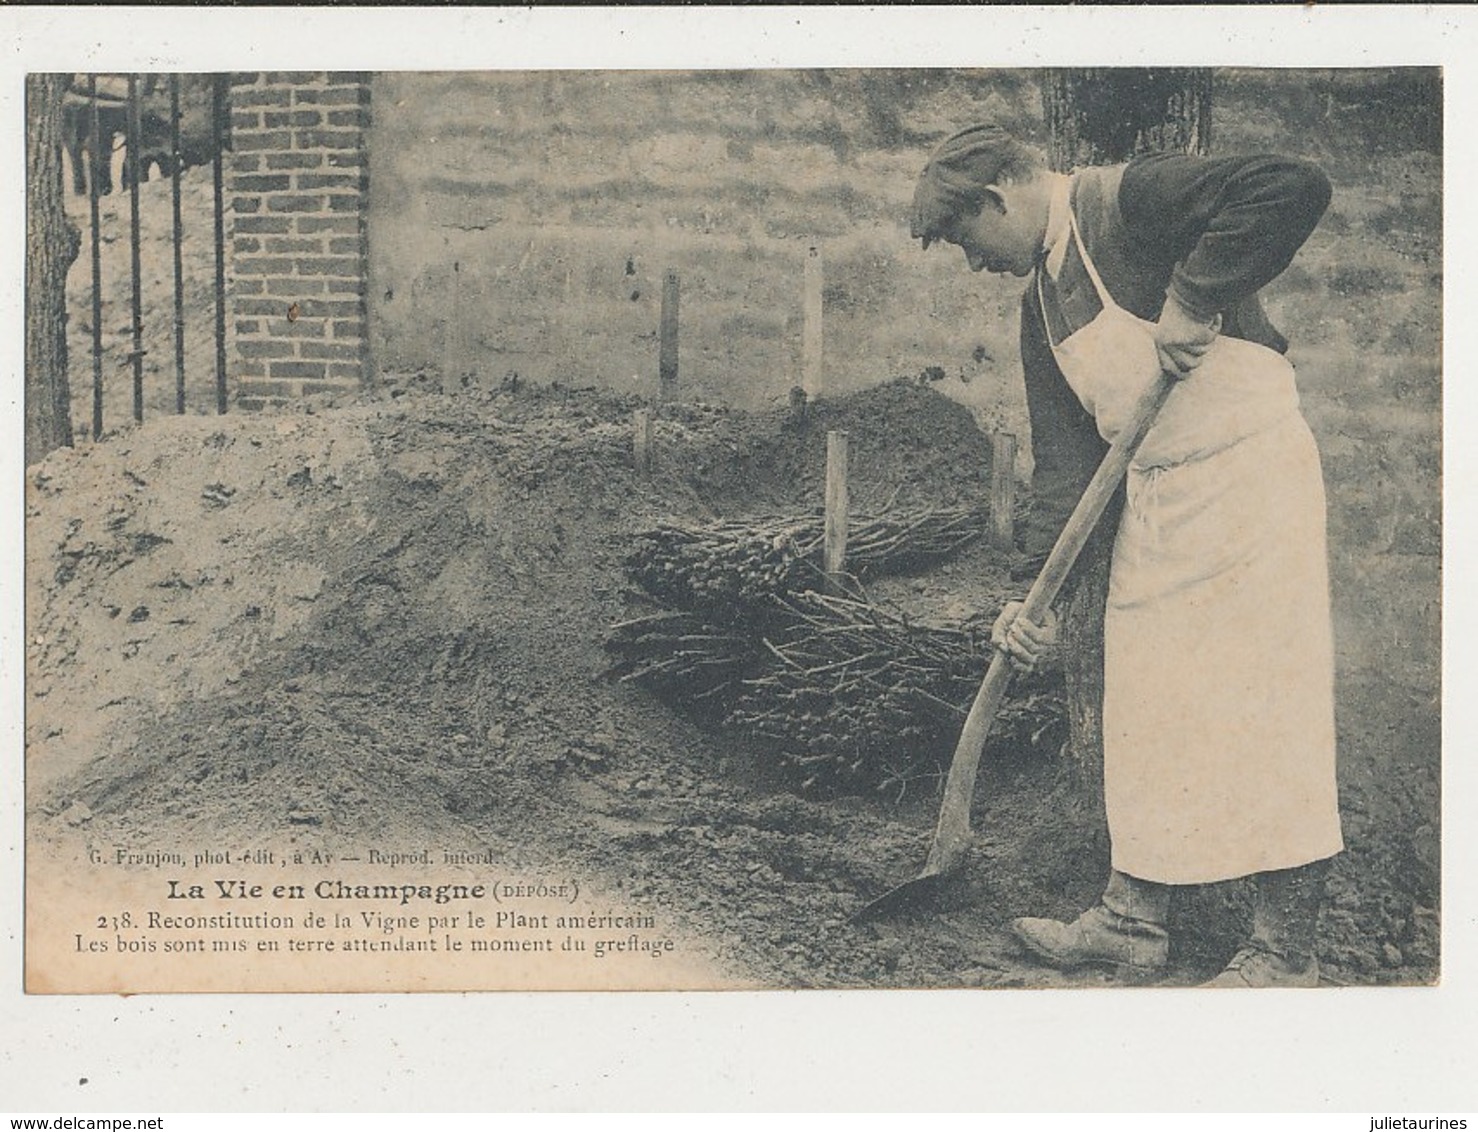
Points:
x=1211 y=231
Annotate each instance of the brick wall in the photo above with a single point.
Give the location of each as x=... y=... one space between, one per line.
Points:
x=297 y=189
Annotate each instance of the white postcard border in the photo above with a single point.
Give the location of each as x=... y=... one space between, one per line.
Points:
x=1382 y=1050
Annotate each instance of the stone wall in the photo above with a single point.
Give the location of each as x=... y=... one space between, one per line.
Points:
x=523 y=222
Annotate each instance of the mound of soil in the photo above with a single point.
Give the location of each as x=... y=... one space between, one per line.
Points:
x=384 y=618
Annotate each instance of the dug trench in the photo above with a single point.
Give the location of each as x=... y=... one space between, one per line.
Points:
x=383 y=619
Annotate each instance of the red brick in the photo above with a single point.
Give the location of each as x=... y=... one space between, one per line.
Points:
x=340 y=224
x=330 y=265
x=331 y=308
x=265 y=348
x=294 y=118
x=296 y=328
x=263 y=224
x=263 y=183
x=294 y=160
x=243 y=141
x=265 y=389
x=295 y=287
x=259 y=96
x=332 y=96
x=336 y=351
x=327 y=139
x=296 y=202
x=310 y=244
x=262 y=265
x=350 y=180
x=311 y=371
x=312 y=387
x=261 y=306
x=359 y=117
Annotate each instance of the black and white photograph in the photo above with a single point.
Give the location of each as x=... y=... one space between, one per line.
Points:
x=734 y=528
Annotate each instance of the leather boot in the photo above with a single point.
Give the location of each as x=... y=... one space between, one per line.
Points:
x=1126 y=928
x=1285 y=916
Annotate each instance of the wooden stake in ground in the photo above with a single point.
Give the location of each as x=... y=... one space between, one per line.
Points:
x=667 y=355
x=835 y=550
x=1003 y=490
x=453 y=359
x=641 y=440
x=812 y=373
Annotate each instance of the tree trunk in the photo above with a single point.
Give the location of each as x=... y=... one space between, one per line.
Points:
x=52 y=242
x=1100 y=116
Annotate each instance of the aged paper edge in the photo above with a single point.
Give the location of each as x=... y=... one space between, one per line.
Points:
x=975 y=38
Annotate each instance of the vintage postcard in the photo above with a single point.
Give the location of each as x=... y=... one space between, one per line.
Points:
x=534 y=529
x=508 y=502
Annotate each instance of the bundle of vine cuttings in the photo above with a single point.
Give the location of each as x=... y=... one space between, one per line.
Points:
x=854 y=696
x=847 y=694
x=736 y=567
x=682 y=656
x=722 y=568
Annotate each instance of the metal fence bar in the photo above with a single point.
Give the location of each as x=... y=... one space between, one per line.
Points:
x=176 y=161
x=217 y=117
x=94 y=159
x=135 y=142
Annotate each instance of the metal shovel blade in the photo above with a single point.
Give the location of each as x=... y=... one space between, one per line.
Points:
x=952 y=833
x=910 y=894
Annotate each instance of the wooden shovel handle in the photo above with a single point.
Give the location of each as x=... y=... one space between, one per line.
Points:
x=952 y=834
x=1095 y=500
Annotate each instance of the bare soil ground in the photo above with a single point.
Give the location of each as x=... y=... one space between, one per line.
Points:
x=384 y=619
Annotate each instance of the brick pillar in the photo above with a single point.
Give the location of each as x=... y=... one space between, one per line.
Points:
x=297 y=197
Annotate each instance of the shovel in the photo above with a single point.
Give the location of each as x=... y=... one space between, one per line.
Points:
x=952 y=834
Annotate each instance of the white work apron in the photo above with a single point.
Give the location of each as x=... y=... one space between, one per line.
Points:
x=1218 y=715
